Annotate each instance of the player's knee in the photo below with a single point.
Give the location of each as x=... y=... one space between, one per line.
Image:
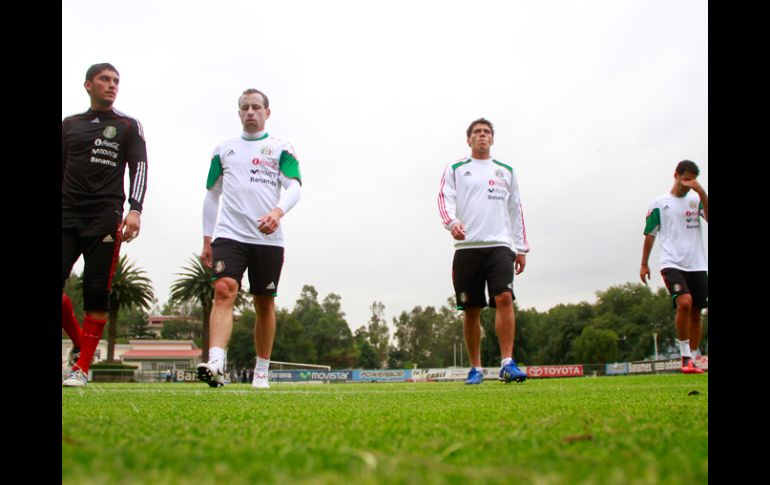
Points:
x=96 y=300
x=684 y=302
x=504 y=299
x=225 y=289
x=264 y=303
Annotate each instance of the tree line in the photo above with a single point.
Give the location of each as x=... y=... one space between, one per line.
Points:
x=618 y=327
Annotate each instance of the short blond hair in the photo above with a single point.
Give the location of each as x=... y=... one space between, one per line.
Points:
x=254 y=91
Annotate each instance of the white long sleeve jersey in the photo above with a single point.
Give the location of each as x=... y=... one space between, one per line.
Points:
x=248 y=175
x=483 y=195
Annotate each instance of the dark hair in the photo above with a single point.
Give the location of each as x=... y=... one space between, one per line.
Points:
x=254 y=91
x=97 y=68
x=687 y=166
x=482 y=121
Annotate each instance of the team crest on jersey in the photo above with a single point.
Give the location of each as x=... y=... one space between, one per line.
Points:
x=499 y=173
x=110 y=132
x=219 y=266
x=693 y=204
x=266 y=151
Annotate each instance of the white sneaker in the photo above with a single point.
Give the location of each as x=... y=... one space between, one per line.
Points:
x=76 y=378
x=211 y=374
x=260 y=381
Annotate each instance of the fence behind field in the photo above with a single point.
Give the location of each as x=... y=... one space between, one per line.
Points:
x=288 y=373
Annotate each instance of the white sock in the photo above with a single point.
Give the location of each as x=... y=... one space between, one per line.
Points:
x=684 y=348
x=505 y=361
x=479 y=369
x=695 y=354
x=262 y=365
x=217 y=356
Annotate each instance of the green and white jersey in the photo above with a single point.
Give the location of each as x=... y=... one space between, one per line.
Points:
x=484 y=195
x=675 y=222
x=249 y=174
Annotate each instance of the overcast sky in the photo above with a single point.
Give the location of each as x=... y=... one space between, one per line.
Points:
x=593 y=103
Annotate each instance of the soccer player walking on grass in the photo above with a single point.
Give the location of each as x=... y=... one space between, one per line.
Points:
x=96 y=148
x=675 y=218
x=480 y=204
x=247 y=174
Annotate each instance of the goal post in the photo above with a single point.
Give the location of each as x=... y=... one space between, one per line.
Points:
x=278 y=365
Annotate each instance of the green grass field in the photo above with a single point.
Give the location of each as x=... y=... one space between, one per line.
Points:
x=604 y=430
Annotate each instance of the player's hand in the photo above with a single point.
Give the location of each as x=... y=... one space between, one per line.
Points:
x=270 y=221
x=644 y=273
x=207 y=257
x=131 y=225
x=458 y=231
x=694 y=185
x=520 y=263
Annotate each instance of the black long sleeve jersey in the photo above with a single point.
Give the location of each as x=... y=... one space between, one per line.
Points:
x=96 y=146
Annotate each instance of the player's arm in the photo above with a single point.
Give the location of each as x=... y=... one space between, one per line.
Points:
x=136 y=158
x=447 y=204
x=64 y=127
x=211 y=207
x=517 y=225
x=644 y=270
x=650 y=230
x=704 y=198
x=289 y=198
x=290 y=178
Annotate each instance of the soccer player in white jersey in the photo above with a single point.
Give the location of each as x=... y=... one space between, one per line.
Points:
x=480 y=204
x=674 y=218
x=247 y=174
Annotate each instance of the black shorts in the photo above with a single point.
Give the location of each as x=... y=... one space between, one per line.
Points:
x=695 y=283
x=231 y=258
x=474 y=268
x=98 y=240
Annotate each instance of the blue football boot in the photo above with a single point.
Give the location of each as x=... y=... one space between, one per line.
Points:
x=474 y=377
x=511 y=372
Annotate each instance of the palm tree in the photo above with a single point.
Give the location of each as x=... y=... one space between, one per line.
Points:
x=130 y=288
x=196 y=284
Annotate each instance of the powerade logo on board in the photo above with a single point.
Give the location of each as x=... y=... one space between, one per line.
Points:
x=382 y=375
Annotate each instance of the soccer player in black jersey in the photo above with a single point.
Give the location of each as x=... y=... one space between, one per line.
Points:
x=97 y=146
